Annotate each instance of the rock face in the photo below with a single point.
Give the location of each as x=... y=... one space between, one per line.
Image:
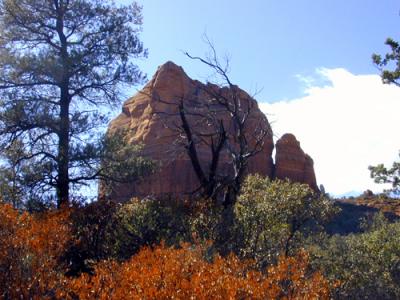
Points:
x=291 y=162
x=151 y=118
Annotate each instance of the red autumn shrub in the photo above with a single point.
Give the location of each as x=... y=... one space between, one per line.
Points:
x=162 y=273
x=30 y=248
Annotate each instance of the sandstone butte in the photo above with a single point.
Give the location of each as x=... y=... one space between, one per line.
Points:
x=151 y=118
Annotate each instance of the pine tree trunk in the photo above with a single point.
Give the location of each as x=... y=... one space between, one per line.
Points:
x=64 y=130
x=63 y=149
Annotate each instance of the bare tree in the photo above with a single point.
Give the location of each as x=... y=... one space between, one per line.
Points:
x=219 y=120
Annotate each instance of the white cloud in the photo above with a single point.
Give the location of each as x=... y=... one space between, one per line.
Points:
x=346 y=125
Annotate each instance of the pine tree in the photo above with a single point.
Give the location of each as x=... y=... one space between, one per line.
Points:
x=61 y=61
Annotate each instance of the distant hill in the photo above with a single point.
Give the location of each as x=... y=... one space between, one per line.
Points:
x=348 y=194
x=354 y=210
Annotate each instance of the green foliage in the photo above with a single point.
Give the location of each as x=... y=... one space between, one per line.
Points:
x=147 y=222
x=382 y=174
x=121 y=161
x=15 y=175
x=205 y=222
x=390 y=59
x=270 y=217
x=114 y=160
x=107 y=230
x=366 y=265
x=20 y=179
x=276 y=216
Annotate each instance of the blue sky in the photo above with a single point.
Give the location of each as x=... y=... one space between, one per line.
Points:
x=270 y=42
x=296 y=52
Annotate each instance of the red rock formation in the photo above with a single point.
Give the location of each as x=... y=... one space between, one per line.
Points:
x=151 y=119
x=291 y=162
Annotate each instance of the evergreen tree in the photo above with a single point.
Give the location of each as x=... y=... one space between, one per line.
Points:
x=61 y=61
x=380 y=173
x=383 y=174
x=391 y=59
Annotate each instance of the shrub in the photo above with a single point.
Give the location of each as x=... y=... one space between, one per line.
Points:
x=93 y=227
x=30 y=250
x=270 y=217
x=162 y=273
x=147 y=222
x=367 y=264
x=106 y=230
x=275 y=216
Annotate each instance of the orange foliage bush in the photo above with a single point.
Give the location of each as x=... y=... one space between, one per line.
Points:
x=162 y=273
x=30 y=268
x=30 y=248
